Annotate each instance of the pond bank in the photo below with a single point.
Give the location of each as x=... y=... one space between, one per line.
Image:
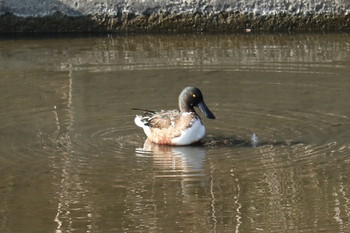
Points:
x=131 y=16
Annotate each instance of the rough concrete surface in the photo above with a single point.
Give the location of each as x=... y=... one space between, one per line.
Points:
x=173 y=15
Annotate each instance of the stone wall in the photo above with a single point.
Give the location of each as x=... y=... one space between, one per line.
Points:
x=173 y=15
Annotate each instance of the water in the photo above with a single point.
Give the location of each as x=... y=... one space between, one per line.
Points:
x=276 y=159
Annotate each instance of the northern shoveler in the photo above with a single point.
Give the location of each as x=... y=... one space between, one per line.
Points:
x=175 y=127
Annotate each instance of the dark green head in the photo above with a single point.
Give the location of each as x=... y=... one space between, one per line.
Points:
x=192 y=97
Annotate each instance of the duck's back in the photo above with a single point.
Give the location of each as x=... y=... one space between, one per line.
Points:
x=172 y=127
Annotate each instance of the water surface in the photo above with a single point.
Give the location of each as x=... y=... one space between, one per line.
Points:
x=72 y=160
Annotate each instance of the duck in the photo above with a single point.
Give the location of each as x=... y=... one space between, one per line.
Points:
x=176 y=127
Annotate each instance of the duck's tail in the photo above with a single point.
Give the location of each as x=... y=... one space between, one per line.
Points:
x=144 y=110
x=138 y=121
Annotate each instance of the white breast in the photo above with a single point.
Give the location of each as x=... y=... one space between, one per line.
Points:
x=190 y=135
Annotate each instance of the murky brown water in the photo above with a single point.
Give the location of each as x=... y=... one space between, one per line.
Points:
x=72 y=160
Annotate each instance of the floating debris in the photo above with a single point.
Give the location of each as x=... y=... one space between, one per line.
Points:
x=255 y=140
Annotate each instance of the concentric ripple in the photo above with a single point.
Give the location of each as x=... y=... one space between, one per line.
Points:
x=284 y=136
x=94 y=138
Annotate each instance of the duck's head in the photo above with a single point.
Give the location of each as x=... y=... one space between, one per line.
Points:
x=192 y=97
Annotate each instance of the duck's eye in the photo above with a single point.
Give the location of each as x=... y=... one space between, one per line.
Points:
x=194 y=95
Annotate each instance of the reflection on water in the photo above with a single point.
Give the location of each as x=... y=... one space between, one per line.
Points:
x=189 y=158
x=275 y=160
x=263 y=53
x=185 y=163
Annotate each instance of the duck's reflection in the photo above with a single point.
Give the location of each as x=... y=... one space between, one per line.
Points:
x=184 y=163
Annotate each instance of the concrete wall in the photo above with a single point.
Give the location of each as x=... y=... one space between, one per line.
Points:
x=173 y=15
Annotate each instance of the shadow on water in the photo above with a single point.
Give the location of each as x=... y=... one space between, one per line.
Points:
x=213 y=142
x=192 y=157
x=238 y=142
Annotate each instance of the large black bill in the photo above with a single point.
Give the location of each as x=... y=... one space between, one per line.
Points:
x=207 y=113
